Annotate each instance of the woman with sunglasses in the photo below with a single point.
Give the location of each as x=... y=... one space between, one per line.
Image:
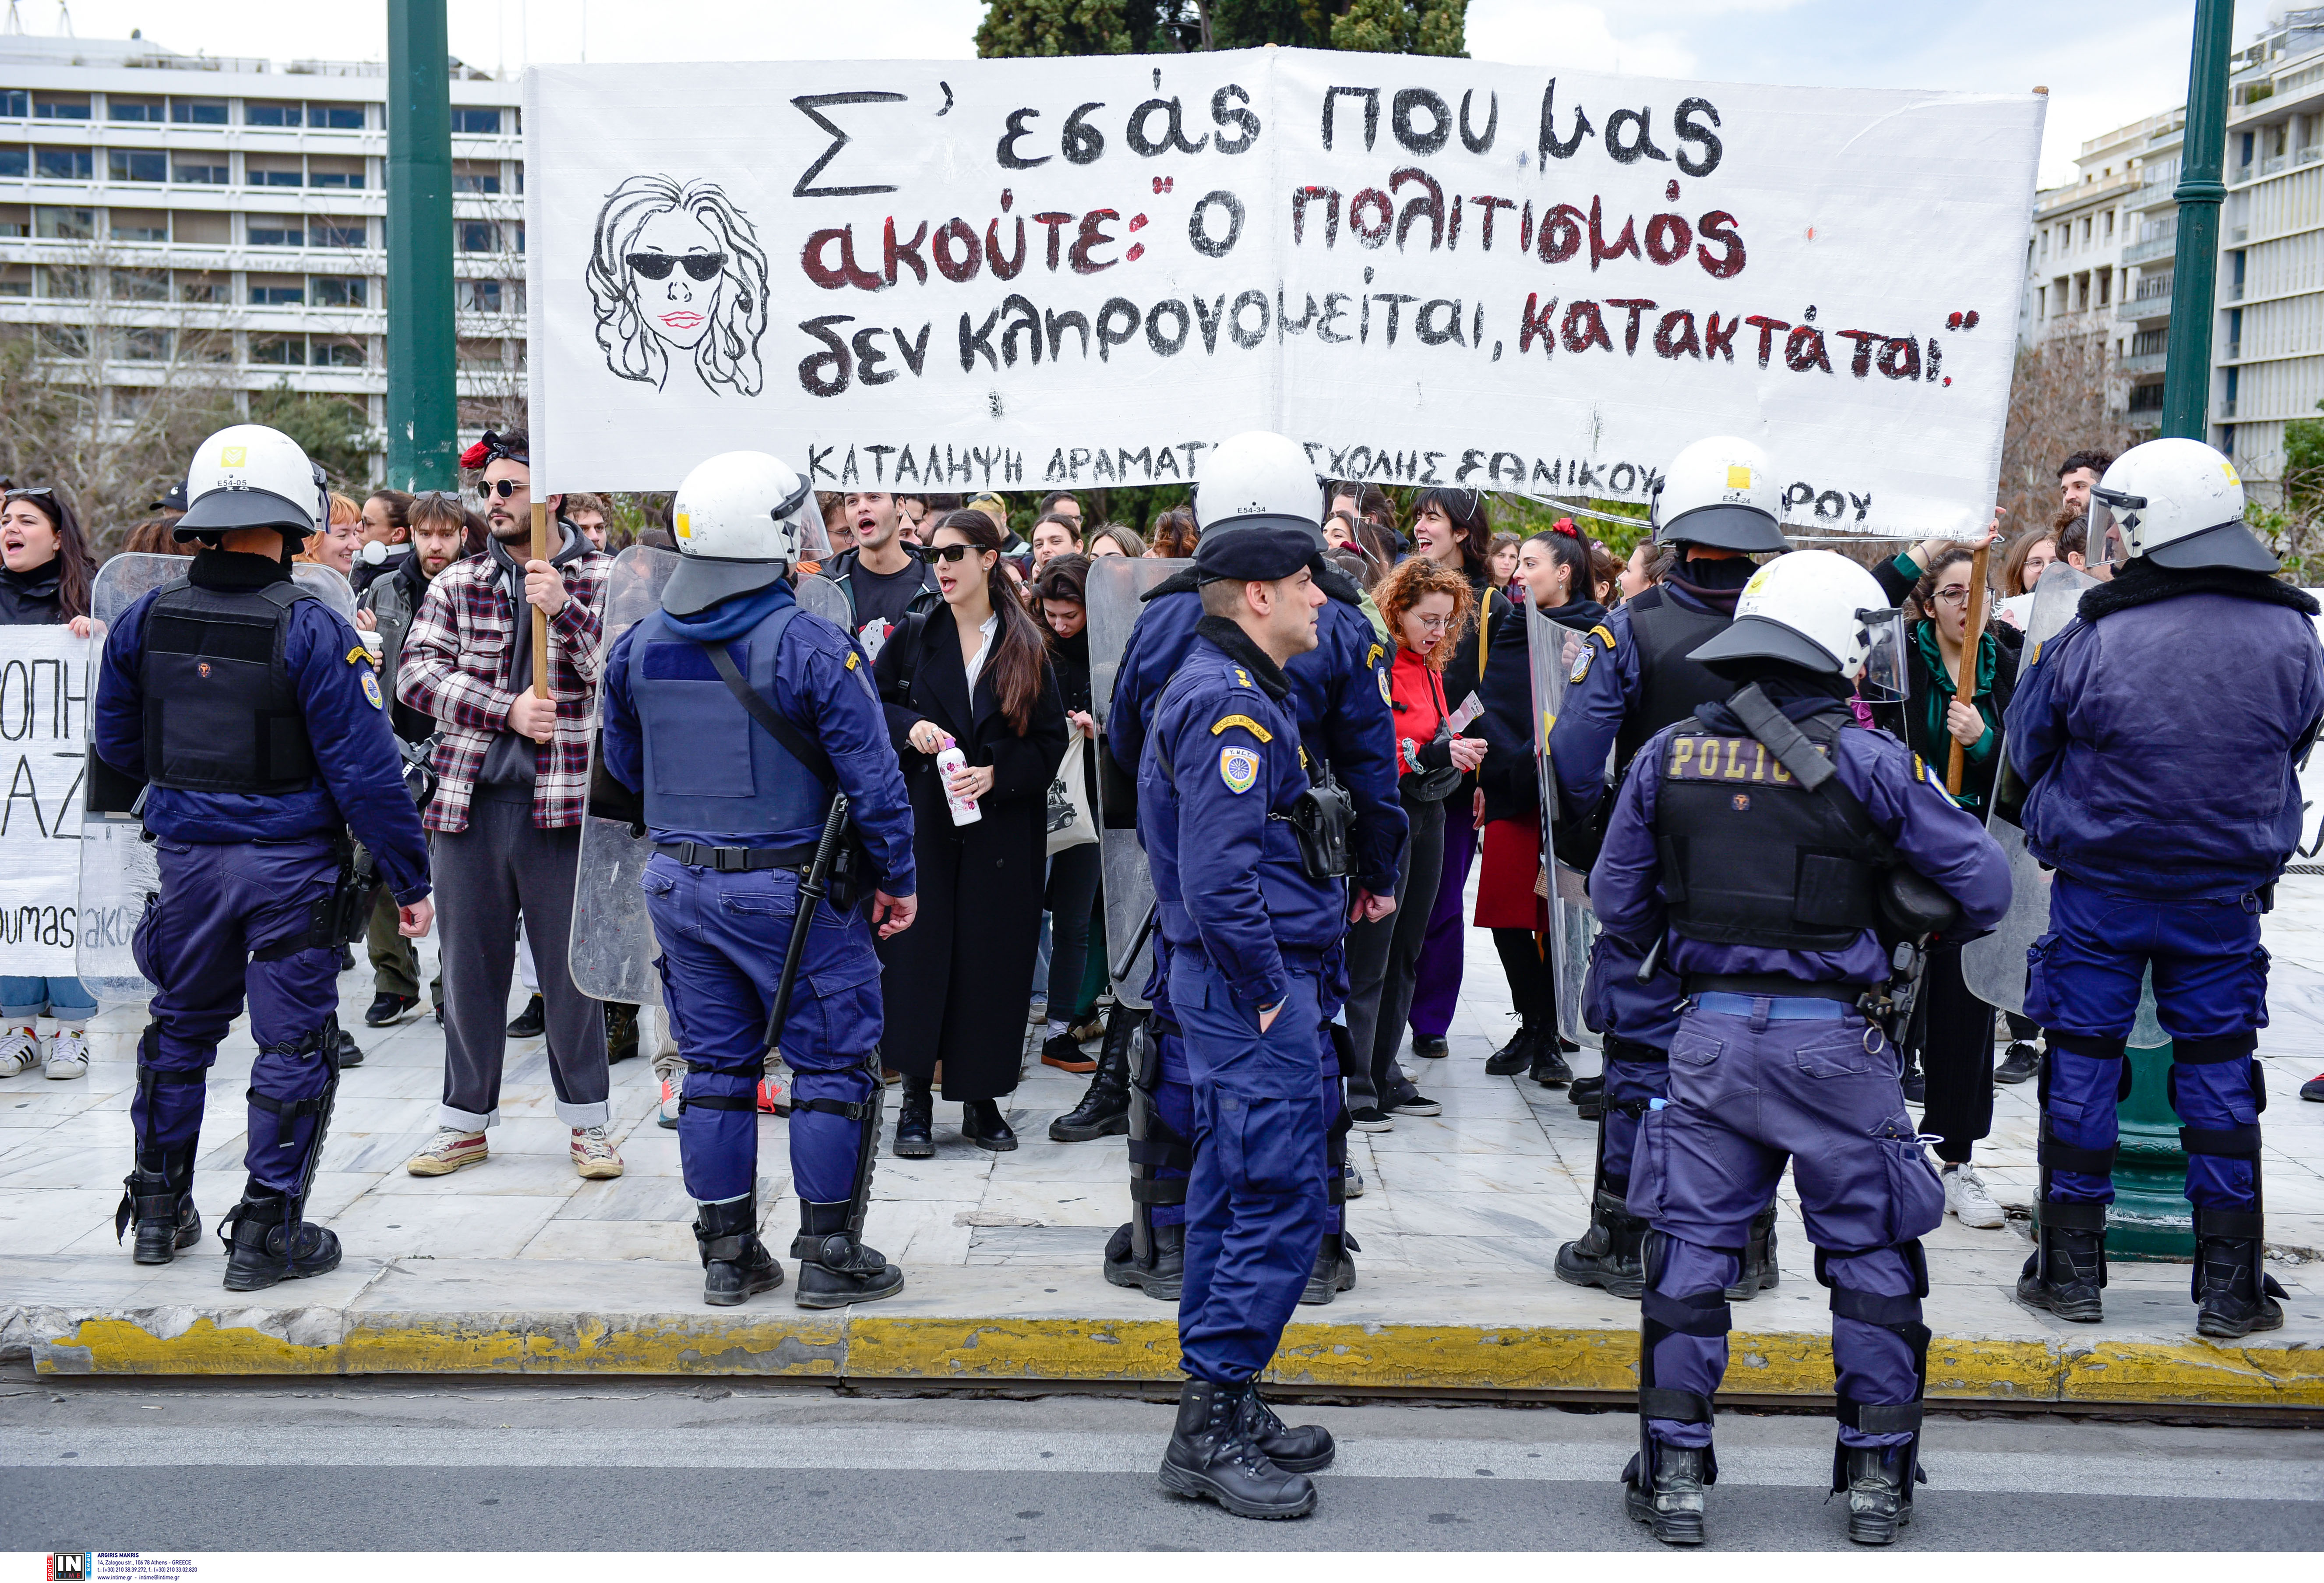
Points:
x=1948 y=1050
x=973 y=674
x=45 y=571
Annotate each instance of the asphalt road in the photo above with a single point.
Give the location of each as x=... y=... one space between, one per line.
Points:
x=638 y=1466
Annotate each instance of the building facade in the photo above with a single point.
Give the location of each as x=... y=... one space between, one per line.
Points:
x=173 y=220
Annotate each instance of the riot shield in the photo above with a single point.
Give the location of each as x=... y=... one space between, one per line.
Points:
x=1572 y=924
x=612 y=946
x=119 y=875
x=1994 y=966
x=1116 y=587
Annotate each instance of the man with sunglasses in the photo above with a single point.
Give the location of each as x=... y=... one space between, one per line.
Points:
x=505 y=821
x=884 y=577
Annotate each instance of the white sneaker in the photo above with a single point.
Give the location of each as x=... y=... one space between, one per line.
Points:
x=68 y=1056
x=594 y=1159
x=1966 y=1197
x=20 y=1051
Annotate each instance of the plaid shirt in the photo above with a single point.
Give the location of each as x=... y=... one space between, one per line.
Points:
x=457 y=663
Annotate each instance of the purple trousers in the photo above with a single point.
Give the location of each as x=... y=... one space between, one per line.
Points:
x=1436 y=987
x=215 y=936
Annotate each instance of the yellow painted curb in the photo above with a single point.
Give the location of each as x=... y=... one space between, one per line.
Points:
x=1358 y=1358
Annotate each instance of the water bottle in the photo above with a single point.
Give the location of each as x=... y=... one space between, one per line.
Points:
x=950 y=761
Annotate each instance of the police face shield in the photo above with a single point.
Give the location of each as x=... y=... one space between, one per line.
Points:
x=1884 y=679
x=2113 y=516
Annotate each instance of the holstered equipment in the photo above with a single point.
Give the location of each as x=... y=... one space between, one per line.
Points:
x=1153 y=1145
x=1323 y=819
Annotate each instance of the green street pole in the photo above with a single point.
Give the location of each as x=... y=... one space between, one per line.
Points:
x=422 y=397
x=2149 y=1219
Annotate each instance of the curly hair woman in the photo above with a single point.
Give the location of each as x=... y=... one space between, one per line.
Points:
x=677 y=271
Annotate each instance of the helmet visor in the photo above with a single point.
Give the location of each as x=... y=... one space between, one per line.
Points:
x=1884 y=679
x=806 y=519
x=2113 y=516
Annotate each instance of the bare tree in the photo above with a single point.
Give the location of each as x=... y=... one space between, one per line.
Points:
x=2067 y=395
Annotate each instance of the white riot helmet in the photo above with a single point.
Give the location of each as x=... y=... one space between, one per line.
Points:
x=740 y=520
x=253 y=477
x=1258 y=479
x=2179 y=503
x=1721 y=493
x=1822 y=613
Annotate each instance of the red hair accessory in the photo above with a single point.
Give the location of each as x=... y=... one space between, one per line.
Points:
x=476 y=455
x=1565 y=524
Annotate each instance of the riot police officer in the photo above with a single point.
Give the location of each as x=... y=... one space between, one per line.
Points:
x=1766 y=843
x=1251 y=917
x=1339 y=695
x=737 y=716
x=2158 y=734
x=253 y=715
x=1635 y=675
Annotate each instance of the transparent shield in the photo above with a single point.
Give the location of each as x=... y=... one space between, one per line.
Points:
x=612 y=951
x=1994 y=967
x=119 y=874
x=1116 y=587
x=2110 y=521
x=1552 y=650
x=1884 y=679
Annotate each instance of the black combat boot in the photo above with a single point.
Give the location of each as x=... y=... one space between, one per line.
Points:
x=1212 y=1458
x=2075 y=1276
x=1516 y=1055
x=2232 y=1289
x=1549 y=1069
x=162 y=1203
x=621 y=1031
x=1758 y=1272
x=1307 y=1449
x=1608 y=1255
x=1104 y=1109
x=916 y=1137
x=1588 y=1097
x=1880 y=1492
x=1335 y=1270
x=835 y=1268
x=1160 y=1280
x=735 y=1265
x=1671 y=1501
x=981 y=1123
x=266 y=1246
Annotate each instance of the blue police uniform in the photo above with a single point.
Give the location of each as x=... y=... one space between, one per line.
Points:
x=735 y=818
x=2157 y=736
x=251 y=711
x=1338 y=695
x=1771 y=1058
x=1245 y=927
x=1634 y=678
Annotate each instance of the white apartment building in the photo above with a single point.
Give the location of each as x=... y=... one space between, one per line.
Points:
x=166 y=215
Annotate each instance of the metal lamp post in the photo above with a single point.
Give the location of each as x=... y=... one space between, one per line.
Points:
x=422 y=398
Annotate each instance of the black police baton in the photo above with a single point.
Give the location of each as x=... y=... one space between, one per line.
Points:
x=1137 y=943
x=812 y=891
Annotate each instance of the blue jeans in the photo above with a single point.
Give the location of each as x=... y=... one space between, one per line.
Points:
x=22 y=999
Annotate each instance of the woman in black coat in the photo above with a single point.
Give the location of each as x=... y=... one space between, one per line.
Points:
x=1951 y=1038
x=955 y=984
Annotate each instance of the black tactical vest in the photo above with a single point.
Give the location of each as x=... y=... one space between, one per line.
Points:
x=1751 y=857
x=221 y=711
x=1671 y=687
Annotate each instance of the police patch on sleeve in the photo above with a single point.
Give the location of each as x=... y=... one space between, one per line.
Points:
x=1387 y=696
x=1580 y=665
x=1239 y=768
x=371 y=691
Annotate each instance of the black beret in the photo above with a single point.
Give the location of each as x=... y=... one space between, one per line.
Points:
x=1255 y=555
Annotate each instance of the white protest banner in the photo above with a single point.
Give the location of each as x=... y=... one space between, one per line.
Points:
x=44 y=699
x=1019 y=274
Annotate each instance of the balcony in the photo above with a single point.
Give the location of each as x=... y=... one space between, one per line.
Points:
x=2155 y=247
x=2143 y=308
x=2227 y=408
x=2144 y=363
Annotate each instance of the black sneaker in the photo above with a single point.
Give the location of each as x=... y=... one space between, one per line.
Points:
x=1413 y=1102
x=529 y=1023
x=1370 y=1119
x=2020 y=1062
x=386 y=1010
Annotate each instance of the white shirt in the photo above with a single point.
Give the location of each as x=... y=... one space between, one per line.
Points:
x=976 y=661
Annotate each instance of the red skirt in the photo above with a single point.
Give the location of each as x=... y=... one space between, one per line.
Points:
x=1505 y=870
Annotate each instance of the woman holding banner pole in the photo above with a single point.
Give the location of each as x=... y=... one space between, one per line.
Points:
x=45 y=571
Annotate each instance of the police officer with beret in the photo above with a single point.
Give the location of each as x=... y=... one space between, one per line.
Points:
x=1340 y=697
x=253 y=715
x=2160 y=733
x=1250 y=922
x=738 y=715
x=1635 y=675
x=1766 y=844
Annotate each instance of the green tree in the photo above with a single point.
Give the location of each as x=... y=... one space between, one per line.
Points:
x=1117 y=27
x=1054 y=27
x=326 y=428
x=2303 y=463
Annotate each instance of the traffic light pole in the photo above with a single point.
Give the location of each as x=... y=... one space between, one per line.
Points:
x=422 y=399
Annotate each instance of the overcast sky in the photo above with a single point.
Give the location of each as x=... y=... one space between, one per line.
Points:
x=2105 y=64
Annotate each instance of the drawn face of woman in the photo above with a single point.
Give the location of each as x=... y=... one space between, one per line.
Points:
x=675 y=268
